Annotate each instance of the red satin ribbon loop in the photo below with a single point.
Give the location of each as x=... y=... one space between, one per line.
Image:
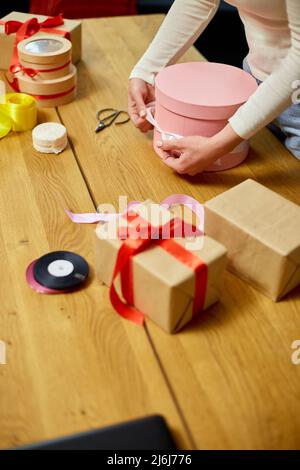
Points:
x=33 y=72
x=128 y=249
x=32 y=24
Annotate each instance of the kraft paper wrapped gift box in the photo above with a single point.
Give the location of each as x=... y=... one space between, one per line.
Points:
x=261 y=231
x=163 y=286
x=7 y=41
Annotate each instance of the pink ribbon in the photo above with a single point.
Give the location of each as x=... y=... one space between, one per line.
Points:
x=180 y=199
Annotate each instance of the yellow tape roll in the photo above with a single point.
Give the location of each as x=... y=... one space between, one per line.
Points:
x=18 y=113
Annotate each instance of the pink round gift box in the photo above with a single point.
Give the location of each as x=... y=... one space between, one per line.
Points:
x=198 y=98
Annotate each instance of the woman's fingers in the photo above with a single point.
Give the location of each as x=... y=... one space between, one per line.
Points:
x=138 y=117
x=139 y=95
x=145 y=126
x=133 y=111
x=140 y=104
x=177 y=164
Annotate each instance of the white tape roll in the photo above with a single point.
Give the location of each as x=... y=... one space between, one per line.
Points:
x=50 y=137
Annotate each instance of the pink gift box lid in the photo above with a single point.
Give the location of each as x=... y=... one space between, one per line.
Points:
x=203 y=90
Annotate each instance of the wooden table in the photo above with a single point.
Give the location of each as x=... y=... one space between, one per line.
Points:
x=72 y=363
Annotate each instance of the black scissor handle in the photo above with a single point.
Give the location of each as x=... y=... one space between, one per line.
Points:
x=113 y=113
x=125 y=120
x=110 y=118
x=106 y=120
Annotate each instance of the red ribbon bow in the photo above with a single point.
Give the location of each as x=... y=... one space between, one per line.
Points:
x=132 y=246
x=31 y=26
x=20 y=68
x=33 y=72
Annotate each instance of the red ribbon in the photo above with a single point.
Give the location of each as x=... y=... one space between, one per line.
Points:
x=20 y=68
x=15 y=86
x=131 y=247
x=55 y=96
x=32 y=26
x=33 y=72
x=28 y=29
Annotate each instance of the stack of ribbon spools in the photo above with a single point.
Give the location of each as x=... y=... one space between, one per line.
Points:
x=43 y=69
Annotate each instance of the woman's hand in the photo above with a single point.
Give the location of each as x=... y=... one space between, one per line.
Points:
x=140 y=96
x=194 y=154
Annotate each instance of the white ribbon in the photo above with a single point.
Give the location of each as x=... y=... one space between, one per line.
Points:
x=164 y=135
x=171 y=135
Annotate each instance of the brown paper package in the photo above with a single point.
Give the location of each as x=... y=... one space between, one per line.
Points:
x=7 y=41
x=261 y=231
x=163 y=286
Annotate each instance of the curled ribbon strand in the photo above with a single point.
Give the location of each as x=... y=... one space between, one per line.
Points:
x=164 y=134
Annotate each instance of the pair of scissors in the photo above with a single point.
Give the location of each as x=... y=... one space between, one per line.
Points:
x=109 y=115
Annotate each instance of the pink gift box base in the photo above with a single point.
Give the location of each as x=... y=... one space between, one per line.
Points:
x=198 y=98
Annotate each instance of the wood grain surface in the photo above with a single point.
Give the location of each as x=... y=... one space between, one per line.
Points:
x=227 y=380
x=230 y=371
x=71 y=364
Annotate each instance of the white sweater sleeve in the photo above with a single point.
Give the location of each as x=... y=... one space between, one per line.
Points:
x=274 y=95
x=185 y=22
x=182 y=26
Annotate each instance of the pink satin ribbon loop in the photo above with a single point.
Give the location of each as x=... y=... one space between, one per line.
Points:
x=174 y=199
x=188 y=201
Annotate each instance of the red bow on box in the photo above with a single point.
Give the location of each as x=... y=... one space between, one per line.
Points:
x=32 y=26
x=26 y=30
x=149 y=236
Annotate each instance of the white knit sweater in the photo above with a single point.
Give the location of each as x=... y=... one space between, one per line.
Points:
x=273 y=33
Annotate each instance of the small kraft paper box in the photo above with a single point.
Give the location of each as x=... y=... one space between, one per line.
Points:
x=165 y=286
x=261 y=231
x=73 y=27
